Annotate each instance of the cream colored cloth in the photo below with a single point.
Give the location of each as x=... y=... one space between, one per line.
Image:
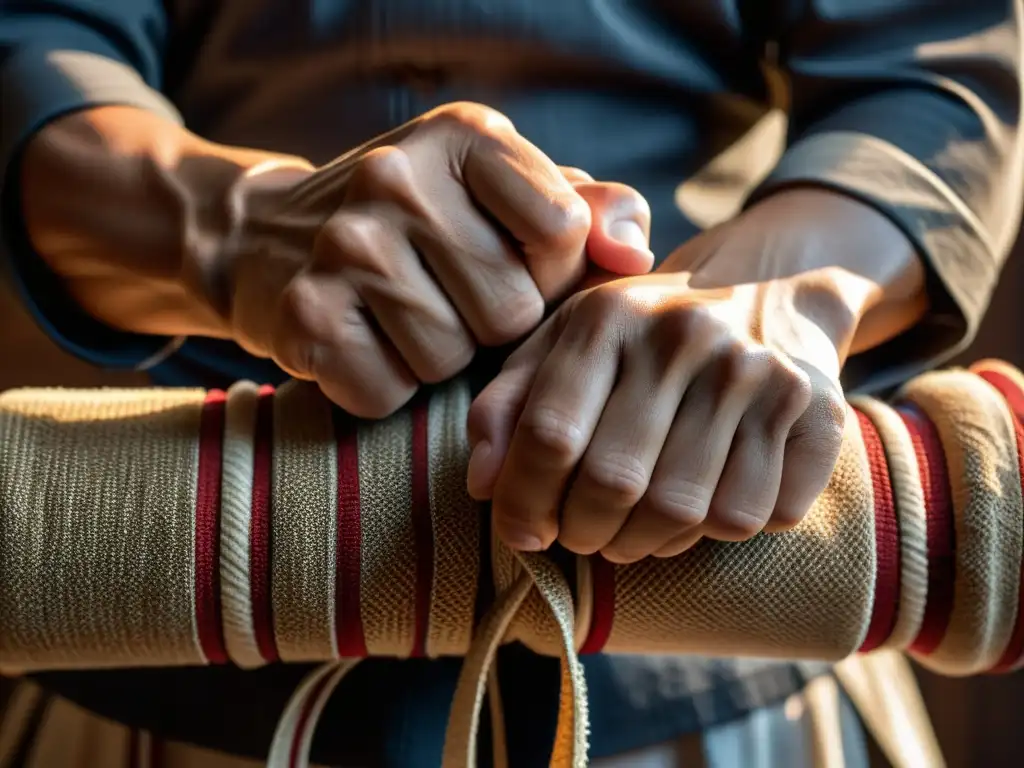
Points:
x=99 y=561
x=979 y=439
x=97 y=518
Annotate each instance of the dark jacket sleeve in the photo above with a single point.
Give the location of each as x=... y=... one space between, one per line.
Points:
x=57 y=57
x=913 y=106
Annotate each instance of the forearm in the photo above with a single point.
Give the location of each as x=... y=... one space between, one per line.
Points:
x=837 y=259
x=914 y=109
x=132 y=211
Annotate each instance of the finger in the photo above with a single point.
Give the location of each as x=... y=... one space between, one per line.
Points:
x=561 y=412
x=688 y=470
x=482 y=274
x=575 y=175
x=616 y=468
x=470 y=258
x=532 y=199
x=747 y=492
x=811 y=452
x=493 y=415
x=620 y=231
x=368 y=248
x=321 y=335
x=680 y=544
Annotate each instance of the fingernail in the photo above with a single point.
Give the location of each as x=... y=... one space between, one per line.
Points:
x=629 y=233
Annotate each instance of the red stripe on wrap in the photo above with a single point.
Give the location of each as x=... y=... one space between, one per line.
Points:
x=259 y=527
x=423 y=529
x=1007 y=388
x=1015 y=399
x=602 y=576
x=348 y=612
x=940 y=527
x=887 y=541
x=209 y=626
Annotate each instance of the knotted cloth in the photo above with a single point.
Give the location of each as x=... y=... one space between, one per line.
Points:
x=189 y=527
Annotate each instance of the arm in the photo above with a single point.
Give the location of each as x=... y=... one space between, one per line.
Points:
x=144 y=261
x=55 y=61
x=112 y=207
x=913 y=109
x=880 y=234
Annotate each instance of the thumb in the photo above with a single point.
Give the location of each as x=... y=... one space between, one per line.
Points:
x=620 y=228
x=493 y=415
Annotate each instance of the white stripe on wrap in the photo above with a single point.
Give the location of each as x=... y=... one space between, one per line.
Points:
x=908 y=496
x=235 y=519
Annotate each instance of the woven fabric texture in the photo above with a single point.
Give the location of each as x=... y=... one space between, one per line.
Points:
x=181 y=527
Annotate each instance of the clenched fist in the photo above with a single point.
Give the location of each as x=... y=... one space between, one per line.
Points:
x=386 y=268
x=702 y=400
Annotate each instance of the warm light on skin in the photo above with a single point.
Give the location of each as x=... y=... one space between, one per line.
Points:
x=651 y=296
x=782 y=323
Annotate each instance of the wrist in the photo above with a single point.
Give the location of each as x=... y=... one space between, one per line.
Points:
x=241 y=217
x=847 y=267
x=144 y=212
x=834 y=300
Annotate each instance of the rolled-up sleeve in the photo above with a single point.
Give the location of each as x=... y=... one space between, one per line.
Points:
x=913 y=106
x=59 y=57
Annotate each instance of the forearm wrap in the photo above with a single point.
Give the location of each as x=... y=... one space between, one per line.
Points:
x=183 y=527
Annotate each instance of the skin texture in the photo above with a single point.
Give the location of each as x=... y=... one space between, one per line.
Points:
x=376 y=273
x=702 y=400
x=646 y=412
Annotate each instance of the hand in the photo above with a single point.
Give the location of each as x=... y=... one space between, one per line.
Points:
x=652 y=411
x=387 y=267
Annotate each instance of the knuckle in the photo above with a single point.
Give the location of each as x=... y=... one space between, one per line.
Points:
x=834 y=411
x=445 y=360
x=678 y=504
x=387 y=167
x=507 y=320
x=616 y=476
x=743 y=364
x=681 y=327
x=791 y=393
x=299 y=311
x=470 y=117
x=553 y=434
x=738 y=524
x=824 y=421
x=602 y=303
x=349 y=239
x=564 y=224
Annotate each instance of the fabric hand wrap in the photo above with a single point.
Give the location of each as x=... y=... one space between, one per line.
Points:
x=189 y=527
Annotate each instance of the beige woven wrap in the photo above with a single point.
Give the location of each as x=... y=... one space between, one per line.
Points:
x=177 y=527
x=97 y=504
